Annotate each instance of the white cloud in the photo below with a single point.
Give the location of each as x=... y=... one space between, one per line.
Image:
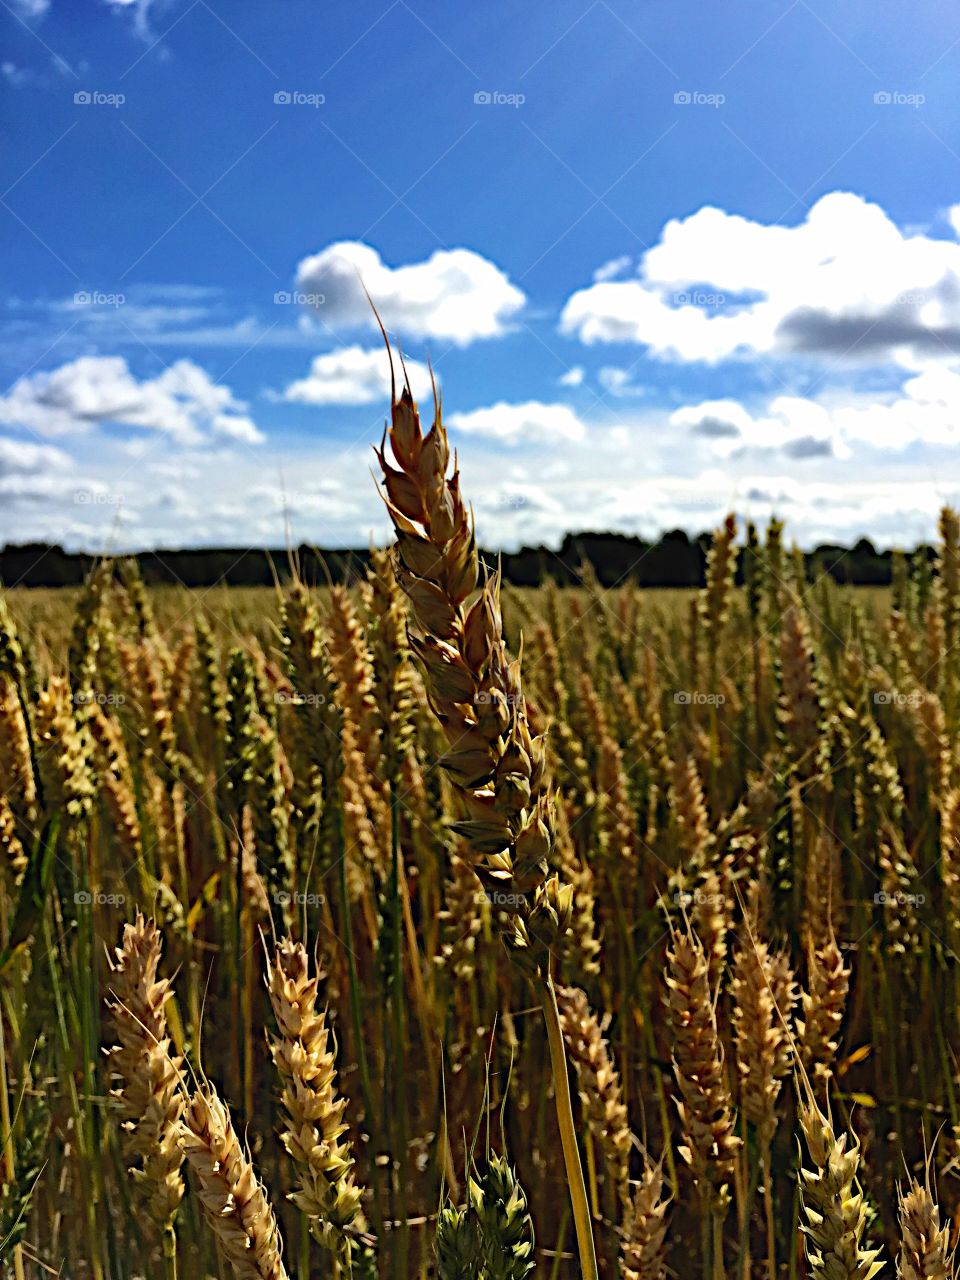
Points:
x=182 y=402
x=521 y=423
x=23 y=457
x=141 y=16
x=573 y=377
x=30 y=8
x=456 y=294
x=610 y=270
x=14 y=75
x=924 y=412
x=619 y=382
x=352 y=375
x=792 y=425
x=640 y=475
x=845 y=284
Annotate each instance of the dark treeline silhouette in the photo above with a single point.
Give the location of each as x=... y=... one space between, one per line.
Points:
x=676 y=560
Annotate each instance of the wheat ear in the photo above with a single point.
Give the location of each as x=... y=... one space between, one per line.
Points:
x=496 y=764
x=233 y=1202
x=600 y=1088
x=833 y=1203
x=643 y=1252
x=313 y=1127
x=148 y=1095
x=925 y=1252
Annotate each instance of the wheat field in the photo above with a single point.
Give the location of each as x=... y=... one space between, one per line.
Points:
x=425 y=927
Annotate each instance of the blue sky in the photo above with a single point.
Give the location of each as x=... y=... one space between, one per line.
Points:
x=667 y=259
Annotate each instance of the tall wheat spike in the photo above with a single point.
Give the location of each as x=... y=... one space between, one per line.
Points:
x=496 y=764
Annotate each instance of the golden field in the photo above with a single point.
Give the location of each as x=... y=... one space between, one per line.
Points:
x=426 y=927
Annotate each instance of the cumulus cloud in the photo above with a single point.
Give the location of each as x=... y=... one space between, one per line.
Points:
x=573 y=377
x=716 y=419
x=799 y=428
x=455 y=295
x=521 y=423
x=353 y=375
x=924 y=412
x=845 y=284
x=182 y=402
